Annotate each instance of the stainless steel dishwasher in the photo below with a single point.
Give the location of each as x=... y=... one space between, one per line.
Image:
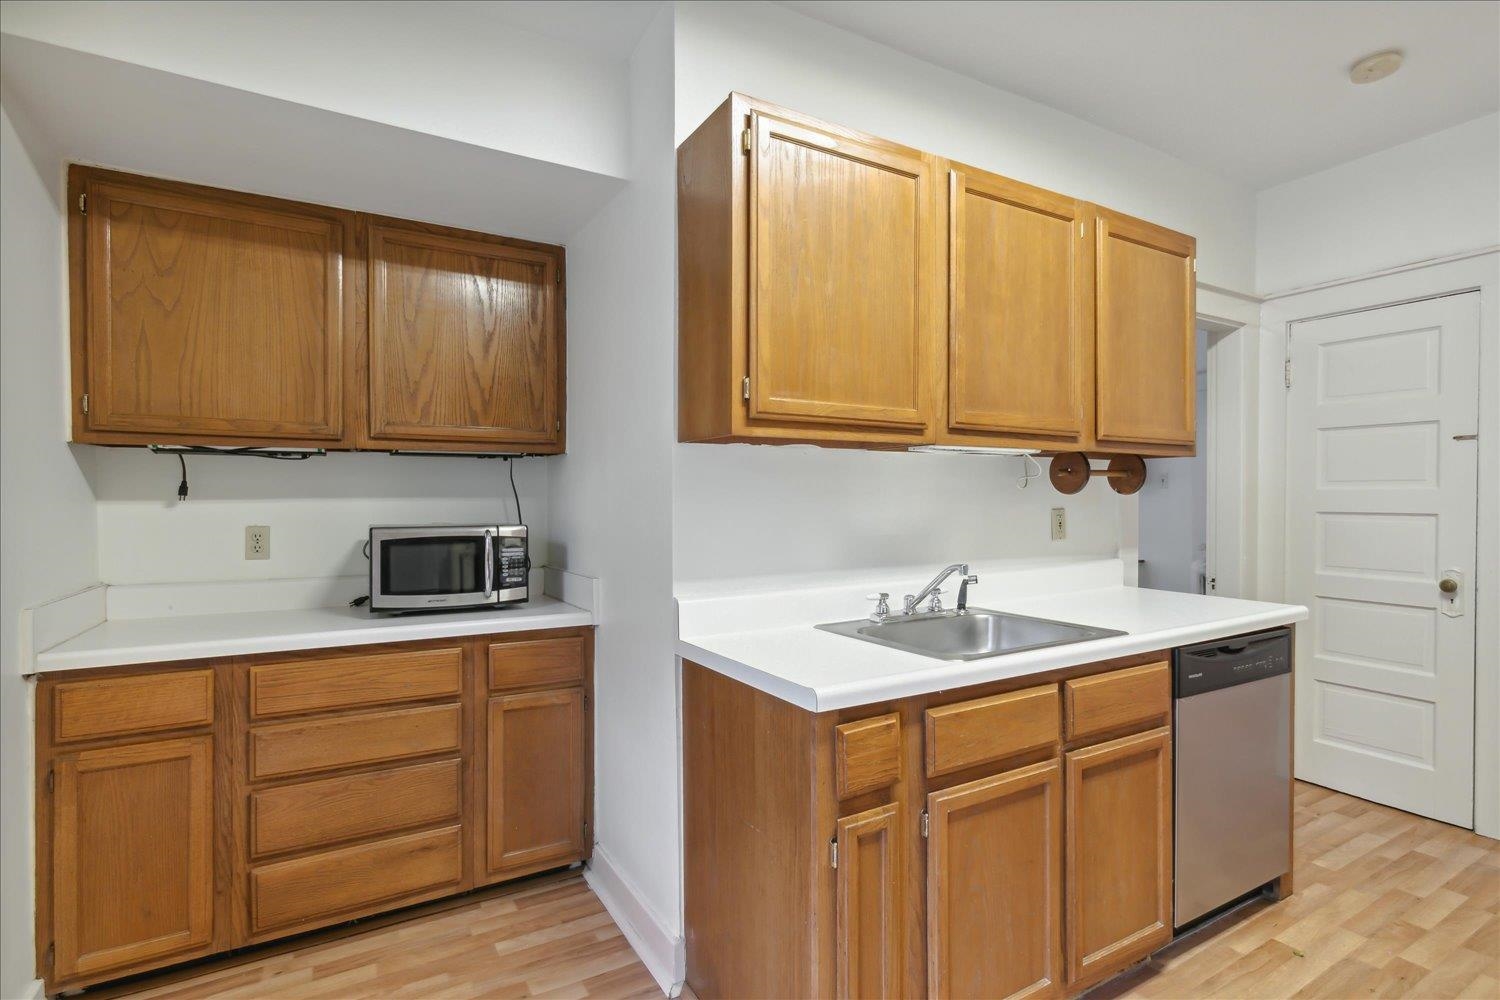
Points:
x=1232 y=717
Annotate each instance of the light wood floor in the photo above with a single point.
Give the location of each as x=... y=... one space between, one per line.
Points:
x=1387 y=905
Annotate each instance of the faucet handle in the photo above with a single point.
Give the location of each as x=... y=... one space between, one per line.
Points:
x=882 y=607
x=935 y=602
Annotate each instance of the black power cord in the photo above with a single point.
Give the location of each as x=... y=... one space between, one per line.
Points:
x=182 y=487
x=513 y=493
x=181 y=453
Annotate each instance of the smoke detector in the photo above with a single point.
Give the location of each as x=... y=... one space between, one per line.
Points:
x=1374 y=67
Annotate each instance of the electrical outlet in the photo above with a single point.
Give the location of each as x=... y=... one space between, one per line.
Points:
x=257 y=541
x=1059 y=523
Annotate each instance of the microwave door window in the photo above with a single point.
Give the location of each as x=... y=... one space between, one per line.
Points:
x=433 y=566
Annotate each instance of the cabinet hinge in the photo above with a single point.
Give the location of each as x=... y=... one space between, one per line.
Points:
x=51 y=955
x=745 y=141
x=745 y=387
x=51 y=779
x=833 y=853
x=586 y=702
x=83 y=204
x=1286 y=373
x=559 y=424
x=85 y=402
x=1195 y=265
x=585 y=831
x=926 y=824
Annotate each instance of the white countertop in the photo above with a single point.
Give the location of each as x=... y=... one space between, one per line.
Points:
x=821 y=671
x=188 y=637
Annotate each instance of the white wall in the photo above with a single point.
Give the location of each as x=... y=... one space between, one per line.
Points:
x=1427 y=198
x=1174 y=512
x=612 y=507
x=748 y=510
x=319 y=510
x=778 y=55
x=47 y=545
x=454 y=70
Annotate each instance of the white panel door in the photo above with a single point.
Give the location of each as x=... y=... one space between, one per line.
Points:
x=1381 y=495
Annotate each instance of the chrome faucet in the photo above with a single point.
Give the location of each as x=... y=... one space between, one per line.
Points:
x=934 y=589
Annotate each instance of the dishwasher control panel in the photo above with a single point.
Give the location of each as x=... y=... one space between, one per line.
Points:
x=1210 y=666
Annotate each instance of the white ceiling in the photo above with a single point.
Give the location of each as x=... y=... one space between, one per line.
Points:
x=605 y=27
x=1256 y=91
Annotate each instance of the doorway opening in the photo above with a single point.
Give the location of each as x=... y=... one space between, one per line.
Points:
x=1174 y=505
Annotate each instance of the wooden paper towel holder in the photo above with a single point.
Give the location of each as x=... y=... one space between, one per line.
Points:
x=1070 y=473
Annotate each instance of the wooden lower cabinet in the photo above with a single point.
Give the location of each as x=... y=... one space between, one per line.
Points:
x=534 y=795
x=186 y=810
x=1012 y=839
x=994 y=886
x=133 y=863
x=1119 y=854
x=870 y=901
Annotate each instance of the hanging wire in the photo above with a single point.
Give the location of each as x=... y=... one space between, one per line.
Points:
x=1027 y=477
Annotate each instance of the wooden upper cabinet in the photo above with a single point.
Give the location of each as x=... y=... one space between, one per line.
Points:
x=1119 y=854
x=204 y=316
x=132 y=856
x=1020 y=295
x=465 y=347
x=809 y=282
x=839 y=240
x=1146 y=341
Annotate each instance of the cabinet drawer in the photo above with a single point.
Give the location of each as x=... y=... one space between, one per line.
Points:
x=145 y=703
x=297 y=686
x=867 y=754
x=1134 y=698
x=989 y=729
x=364 y=877
x=319 y=813
x=324 y=744
x=553 y=662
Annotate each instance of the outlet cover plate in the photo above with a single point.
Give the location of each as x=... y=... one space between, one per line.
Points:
x=257 y=541
x=1059 y=523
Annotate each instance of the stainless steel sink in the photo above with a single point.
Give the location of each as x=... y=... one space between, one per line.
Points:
x=975 y=634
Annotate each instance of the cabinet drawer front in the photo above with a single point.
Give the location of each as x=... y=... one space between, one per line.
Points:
x=552 y=662
x=324 y=744
x=990 y=729
x=319 y=813
x=343 y=882
x=293 y=687
x=147 y=703
x=1135 y=698
x=867 y=754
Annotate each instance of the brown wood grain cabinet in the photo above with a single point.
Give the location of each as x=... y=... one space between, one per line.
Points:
x=185 y=810
x=204 y=316
x=840 y=289
x=957 y=844
x=809 y=282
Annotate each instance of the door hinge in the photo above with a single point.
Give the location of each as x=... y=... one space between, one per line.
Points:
x=745 y=387
x=85 y=402
x=83 y=204
x=926 y=823
x=1286 y=373
x=745 y=141
x=833 y=853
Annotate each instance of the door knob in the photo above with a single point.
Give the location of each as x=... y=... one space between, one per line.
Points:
x=1448 y=585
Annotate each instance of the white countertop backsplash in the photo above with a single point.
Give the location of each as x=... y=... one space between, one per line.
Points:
x=761 y=631
x=154 y=623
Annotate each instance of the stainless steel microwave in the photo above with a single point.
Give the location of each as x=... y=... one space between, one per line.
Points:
x=444 y=567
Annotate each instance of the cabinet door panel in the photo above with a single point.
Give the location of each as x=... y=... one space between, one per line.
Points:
x=212 y=315
x=871 y=904
x=1019 y=339
x=463 y=343
x=1119 y=854
x=534 y=812
x=1146 y=353
x=840 y=244
x=994 y=886
x=132 y=862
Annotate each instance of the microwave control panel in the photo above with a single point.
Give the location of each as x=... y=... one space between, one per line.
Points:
x=511 y=568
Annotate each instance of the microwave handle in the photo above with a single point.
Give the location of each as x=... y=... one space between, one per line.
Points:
x=489 y=562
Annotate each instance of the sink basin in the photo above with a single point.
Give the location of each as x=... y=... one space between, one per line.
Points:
x=970 y=636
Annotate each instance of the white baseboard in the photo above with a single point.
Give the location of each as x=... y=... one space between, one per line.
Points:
x=663 y=953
